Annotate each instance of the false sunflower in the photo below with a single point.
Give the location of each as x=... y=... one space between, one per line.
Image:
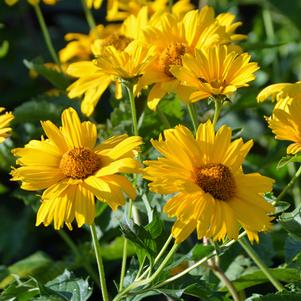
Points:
x=215 y=71
x=212 y=194
x=286 y=124
x=118 y=10
x=280 y=91
x=5 y=120
x=93 y=81
x=73 y=170
x=96 y=4
x=32 y=2
x=173 y=38
x=79 y=45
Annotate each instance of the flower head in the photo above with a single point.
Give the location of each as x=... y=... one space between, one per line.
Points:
x=286 y=124
x=73 y=170
x=32 y=2
x=79 y=45
x=280 y=91
x=5 y=119
x=121 y=9
x=173 y=38
x=92 y=80
x=96 y=4
x=212 y=194
x=127 y=64
x=215 y=71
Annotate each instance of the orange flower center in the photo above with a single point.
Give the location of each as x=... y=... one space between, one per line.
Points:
x=216 y=83
x=217 y=180
x=172 y=55
x=119 y=41
x=79 y=163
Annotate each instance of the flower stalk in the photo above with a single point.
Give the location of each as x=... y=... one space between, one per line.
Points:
x=88 y=14
x=46 y=35
x=100 y=266
x=249 y=250
x=288 y=186
x=193 y=116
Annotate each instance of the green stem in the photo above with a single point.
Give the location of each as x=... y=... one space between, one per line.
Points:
x=296 y=191
x=163 y=263
x=218 y=104
x=77 y=254
x=269 y=28
x=101 y=271
x=193 y=116
x=129 y=88
x=158 y=257
x=249 y=250
x=197 y=264
x=288 y=186
x=163 y=118
x=89 y=16
x=146 y=281
x=124 y=252
x=46 y=35
x=219 y=273
x=170 y=4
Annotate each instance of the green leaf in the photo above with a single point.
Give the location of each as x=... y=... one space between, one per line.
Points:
x=289 y=158
x=156 y=227
x=287 y=296
x=114 y=250
x=41 y=108
x=292 y=248
x=35 y=265
x=291 y=222
x=71 y=288
x=21 y=291
x=142 y=239
x=57 y=79
x=287 y=275
x=4 y=47
x=238 y=267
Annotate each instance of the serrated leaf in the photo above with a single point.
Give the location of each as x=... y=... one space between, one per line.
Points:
x=19 y=290
x=71 y=288
x=142 y=239
x=289 y=158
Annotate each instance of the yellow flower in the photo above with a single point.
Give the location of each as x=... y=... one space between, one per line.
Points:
x=79 y=46
x=96 y=4
x=32 y=2
x=120 y=9
x=280 y=91
x=212 y=194
x=126 y=64
x=215 y=71
x=286 y=124
x=227 y=19
x=174 y=38
x=5 y=119
x=93 y=81
x=73 y=170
